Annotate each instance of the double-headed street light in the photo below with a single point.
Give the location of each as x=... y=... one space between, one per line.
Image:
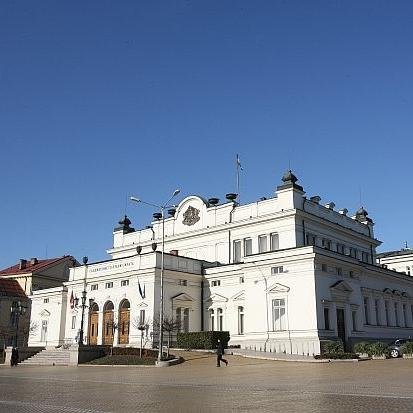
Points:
x=162 y=217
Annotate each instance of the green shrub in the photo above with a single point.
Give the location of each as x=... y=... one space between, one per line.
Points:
x=332 y=347
x=131 y=351
x=361 y=347
x=339 y=356
x=407 y=348
x=378 y=349
x=207 y=340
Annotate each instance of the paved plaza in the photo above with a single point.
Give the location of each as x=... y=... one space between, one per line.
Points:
x=246 y=385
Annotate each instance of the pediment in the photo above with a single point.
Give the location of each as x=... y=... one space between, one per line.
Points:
x=142 y=305
x=278 y=288
x=341 y=286
x=217 y=298
x=239 y=296
x=44 y=313
x=182 y=297
x=387 y=291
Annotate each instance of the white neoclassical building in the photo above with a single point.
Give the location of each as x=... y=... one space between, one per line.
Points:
x=280 y=274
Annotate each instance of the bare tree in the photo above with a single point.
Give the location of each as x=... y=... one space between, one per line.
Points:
x=33 y=327
x=170 y=325
x=142 y=326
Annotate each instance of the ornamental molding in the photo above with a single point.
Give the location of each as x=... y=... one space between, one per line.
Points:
x=191 y=216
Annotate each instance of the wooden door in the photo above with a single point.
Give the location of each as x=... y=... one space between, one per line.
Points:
x=107 y=328
x=93 y=329
x=124 y=321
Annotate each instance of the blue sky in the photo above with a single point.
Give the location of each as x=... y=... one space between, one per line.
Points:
x=102 y=99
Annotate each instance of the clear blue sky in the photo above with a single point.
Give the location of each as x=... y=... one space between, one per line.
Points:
x=101 y=99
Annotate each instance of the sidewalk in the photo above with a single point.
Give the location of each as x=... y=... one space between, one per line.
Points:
x=265 y=355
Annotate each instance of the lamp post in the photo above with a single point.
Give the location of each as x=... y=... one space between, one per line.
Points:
x=83 y=302
x=162 y=217
x=141 y=328
x=17 y=309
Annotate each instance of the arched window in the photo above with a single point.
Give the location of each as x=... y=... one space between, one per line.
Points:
x=240 y=320
x=212 y=319
x=220 y=319
x=108 y=306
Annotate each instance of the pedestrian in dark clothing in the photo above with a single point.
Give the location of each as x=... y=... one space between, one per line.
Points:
x=14 y=357
x=220 y=353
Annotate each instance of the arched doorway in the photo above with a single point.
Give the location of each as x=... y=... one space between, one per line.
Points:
x=93 y=325
x=107 y=328
x=124 y=322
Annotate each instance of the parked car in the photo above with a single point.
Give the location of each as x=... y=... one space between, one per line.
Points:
x=395 y=350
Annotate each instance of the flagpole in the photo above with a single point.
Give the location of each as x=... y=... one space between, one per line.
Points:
x=238 y=165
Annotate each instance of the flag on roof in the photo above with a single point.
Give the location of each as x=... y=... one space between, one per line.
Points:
x=141 y=292
x=72 y=300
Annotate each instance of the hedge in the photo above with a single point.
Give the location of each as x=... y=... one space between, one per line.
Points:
x=337 y=356
x=407 y=348
x=378 y=349
x=131 y=351
x=331 y=347
x=362 y=347
x=207 y=340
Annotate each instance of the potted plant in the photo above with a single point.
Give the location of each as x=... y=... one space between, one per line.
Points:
x=407 y=350
x=361 y=348
x=378 y=350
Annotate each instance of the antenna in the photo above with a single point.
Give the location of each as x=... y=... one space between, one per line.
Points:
x=360 y=198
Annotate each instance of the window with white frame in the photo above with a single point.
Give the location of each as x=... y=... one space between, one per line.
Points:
x=247 y=246
x=408 y=270
x=341 y=248
x=216 y=283
x=404 y=315
x=186 y=320
x=326 y=243
x=278 y=314
x=46 y=300
x=109 y=284
x=241 y=279
x=277 y=270
x=352 y=252
x=354 y=319
x=237 y=251
x=366 y=310
x=339 y=271
x=240 y=320
x=365 y=256
x=396 y=314
x=386 y=311
x=211 y=319
x=326 y=318
x=311 y=239
x=142 y=317
x=274 y=241
x=263 y=243
x=94 y=287
x=124 y=283
x=73 y=322
x=220 y=319
x=376 y=309
x=178 y=318
x=183 y=282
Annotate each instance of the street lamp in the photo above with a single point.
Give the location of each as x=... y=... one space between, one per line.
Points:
x=17 y=309
x=162 y=217
x=83 y=303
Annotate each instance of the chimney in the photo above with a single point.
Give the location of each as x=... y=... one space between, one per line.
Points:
x=22 y=264
x=343 y=211
x=330 y=205
x=33 y=261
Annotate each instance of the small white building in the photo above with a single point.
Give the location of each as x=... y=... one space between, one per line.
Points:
x=280 y=274
x=400 y=260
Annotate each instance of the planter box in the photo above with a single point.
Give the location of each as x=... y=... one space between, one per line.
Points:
x=382 y=357
x=408 y=356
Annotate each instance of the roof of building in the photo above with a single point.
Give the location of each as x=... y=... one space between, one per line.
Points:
x=396 y=253
x=31 y=266
x=10 y=288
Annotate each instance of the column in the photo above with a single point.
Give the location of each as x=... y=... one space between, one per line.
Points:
x=100 y=328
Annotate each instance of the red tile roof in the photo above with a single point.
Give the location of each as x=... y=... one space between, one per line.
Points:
x=40 y=265
x=10 y=288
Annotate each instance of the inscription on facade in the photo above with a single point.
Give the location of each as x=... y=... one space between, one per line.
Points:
x=191 y=216
x=112 y=267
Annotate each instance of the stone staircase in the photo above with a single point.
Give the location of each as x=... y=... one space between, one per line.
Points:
x=49 y=357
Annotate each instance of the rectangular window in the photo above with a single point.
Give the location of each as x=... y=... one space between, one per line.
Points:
x=326 y=243
x=278 y=314
x=354 y=319
x=178 y=319
x=408 y=270
x=216 y=283
x=326 y=318
x=365 y=256
x=142 y=317
x=220 y=320
x=109 y=284
x=341 y=248
x=324 y=267
x=183 y=282
x=46 y=300
x=352 y=252
x=94 y=287
x=241 y=280
x=263 y=243
x=311 y=239
x=186 y=320
x=211 y=320
x=124 y=283
x=351 y=273
x=73 y=322
x=274 y=240
x=396 y=314
x=247 y=246
x=366 y=311
x=376 y=309
x=386 y=310
x=240 y=320
x=339 y=271
x=277 y=270
x=237 y=251
x=405 y=315
x=43 y=333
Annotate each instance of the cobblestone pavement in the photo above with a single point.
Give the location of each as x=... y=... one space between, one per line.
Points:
x=246 y=385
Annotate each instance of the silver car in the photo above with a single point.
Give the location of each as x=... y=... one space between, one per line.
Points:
x=395 y=350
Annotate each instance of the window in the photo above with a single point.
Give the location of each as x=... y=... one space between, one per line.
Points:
x=376 y=309
x=311 y=239
x=237 y=251
x=339 y=271
x=220 y=320
x=366 y=311
x=396 y=314
x=73 y=322
x=351 y=273
x=341 y=248
x=326 y=319
x=178 y=318
x=94 y=287
x=13 y=314
x=183 y=282
x=386 y=310
x=241 y=280
x=186 y=320
x=274 y=241
x=240 y=320
x=277 y=270
x=109 y=284
x=404 y=315
x=262 y=243
x=216 y=283
x=46 y=300
x=278 y=314
x=142 y=317
x=354 y=319
x=365 y=256
x=352 y=252
x=247 y=246
x=43 y=333
x=326 y=243
x=408 y=270
x=324 y=267
x=211 y=320
x=124 y=283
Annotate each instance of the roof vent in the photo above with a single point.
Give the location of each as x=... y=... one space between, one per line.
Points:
x=231 y=197
x=172 y=211
x=343 y=211
x=263 y=198
x=330 y=205
x=33 y=261
x=22 y=264
x=213 y=201
x=315 y=199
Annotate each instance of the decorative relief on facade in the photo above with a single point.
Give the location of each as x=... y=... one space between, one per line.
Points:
x=191 y=216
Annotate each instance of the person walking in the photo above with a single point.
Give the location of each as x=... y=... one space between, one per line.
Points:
x=220 y=353
x=14 y=356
